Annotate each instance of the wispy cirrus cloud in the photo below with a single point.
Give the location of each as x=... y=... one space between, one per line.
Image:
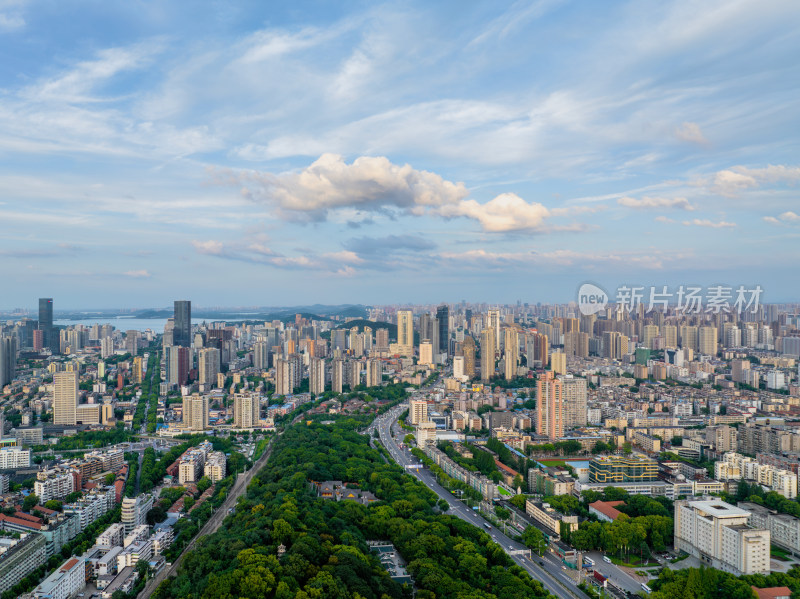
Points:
x=690 y=132
x=339 y=262
x=704 y=222
x=138 y=274
x=651 y=202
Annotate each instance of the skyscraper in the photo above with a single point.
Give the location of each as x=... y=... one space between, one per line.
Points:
x=511 y=355
x=65 y=397
x=182 y=329
x=316 y=376
x=177 y=362
x=283 y=377
x=405 y=332
x=443 y=316
x=208 y=362
x=8 y=360
x=488 y=349
x=50 y=340
x=707 y=341
x=337 y=374
x=374 y=372
x=549 y=406
x=574 y=401
x=468 y=348
x=261 y=355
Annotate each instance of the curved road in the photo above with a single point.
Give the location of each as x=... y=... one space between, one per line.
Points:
x=551 y=575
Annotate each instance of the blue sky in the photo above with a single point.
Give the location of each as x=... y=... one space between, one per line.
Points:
x=251 y=153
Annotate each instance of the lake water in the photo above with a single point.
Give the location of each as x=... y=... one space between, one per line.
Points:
x=134 y=324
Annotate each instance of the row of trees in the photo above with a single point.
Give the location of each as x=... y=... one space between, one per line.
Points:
x=326 y=550
x=707 y=583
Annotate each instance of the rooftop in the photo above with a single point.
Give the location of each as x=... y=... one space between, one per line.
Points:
x=719 y=509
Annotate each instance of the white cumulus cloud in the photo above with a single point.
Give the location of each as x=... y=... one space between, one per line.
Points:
x=506 y=212
x=787 y=217
x=730 y=182
x=369 y=183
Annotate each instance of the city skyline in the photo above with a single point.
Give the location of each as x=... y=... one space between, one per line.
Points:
x=396 y=153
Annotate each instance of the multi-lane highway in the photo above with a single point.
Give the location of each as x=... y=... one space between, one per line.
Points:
x=547 y=569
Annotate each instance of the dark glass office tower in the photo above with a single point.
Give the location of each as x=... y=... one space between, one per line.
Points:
x=443 y=316
x=49 y=339
x=182 y=332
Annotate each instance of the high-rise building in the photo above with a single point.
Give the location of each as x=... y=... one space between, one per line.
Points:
x=428 y=329
x=468 y=349
x=316 y=376
x=739 y=370
x=458 y=367
x=65 y=398
x=558 y=362
x=132 y=342
x=549 y=406
x=182 y=329
x=208 y=362
x=538 y=348
x=511 y=353
x=177 y=362
x=493 y=323
x=574 y=401
x=106 y=347
x=261 y=355
x=488 y=349
x=443 y=317
x=8 y=361
x=689 y=337
x=195 y=412
x=417 y=411
x=425 y=352
x=405 y=332
x=138 y=369
x=49 y=338
x=283 y=377
x=374 y=372
x=246 y=409
x=707 y=341
x=382 y=340
x=650 y=332
x=670 y=334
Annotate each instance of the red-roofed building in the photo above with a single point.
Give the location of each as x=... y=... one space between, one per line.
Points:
x=773 y=593
x=605 y=510
x=27 y=516
x=19 y=522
